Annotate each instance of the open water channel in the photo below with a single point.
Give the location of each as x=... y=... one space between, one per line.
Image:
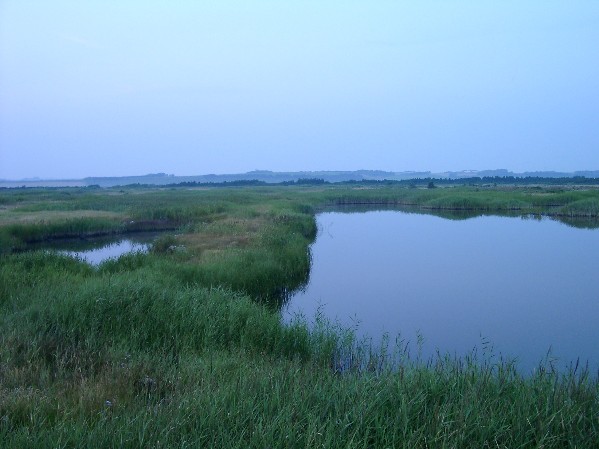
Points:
x=524 y=289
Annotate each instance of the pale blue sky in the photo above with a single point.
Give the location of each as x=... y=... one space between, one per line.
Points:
x=99 y=88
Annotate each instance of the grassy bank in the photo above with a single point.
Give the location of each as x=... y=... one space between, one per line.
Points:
x=555 y=202
x=176 y=348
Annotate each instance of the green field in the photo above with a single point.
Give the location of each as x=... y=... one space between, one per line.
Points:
x=183 y=346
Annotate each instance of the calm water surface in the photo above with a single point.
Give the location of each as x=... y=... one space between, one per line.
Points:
x=111 y=251
x=524 y=285
x=97 y=250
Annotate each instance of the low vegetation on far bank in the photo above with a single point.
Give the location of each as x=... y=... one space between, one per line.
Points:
x=184 y=347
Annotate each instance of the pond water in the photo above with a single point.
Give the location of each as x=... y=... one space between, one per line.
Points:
x=111 y=251
x=511 y=287
x=99 y=249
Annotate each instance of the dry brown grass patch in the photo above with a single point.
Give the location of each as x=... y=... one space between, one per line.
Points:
x=8 y=217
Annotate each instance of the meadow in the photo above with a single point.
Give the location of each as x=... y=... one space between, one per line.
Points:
x=184 y=346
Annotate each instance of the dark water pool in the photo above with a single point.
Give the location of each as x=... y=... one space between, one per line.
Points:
x=519 y=287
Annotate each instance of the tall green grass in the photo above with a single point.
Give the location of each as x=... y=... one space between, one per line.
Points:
x=587 y=207
x=20 y=234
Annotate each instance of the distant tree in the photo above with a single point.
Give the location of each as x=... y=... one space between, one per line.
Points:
x=431 y=185
x=311 y=181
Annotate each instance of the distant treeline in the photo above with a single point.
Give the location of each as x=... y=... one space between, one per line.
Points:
x=485 y=180
x=489 y=181
x=475 y=181
x=255 y=182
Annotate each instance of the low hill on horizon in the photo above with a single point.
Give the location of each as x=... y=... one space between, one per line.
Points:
x=273 y=177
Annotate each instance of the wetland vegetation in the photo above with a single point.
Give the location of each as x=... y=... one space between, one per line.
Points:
x=184 y=347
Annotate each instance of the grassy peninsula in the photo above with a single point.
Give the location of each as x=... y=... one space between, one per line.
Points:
x=183 y=346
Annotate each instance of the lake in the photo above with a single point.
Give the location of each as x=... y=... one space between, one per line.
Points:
x=522 y=286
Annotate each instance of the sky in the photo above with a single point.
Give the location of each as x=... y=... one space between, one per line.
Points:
x=114 y=88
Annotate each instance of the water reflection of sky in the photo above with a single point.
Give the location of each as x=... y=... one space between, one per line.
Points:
x=524 y=285
x=114 y=250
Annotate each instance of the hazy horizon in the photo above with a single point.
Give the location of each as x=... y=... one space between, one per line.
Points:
x=123 y=89
x=200 y=175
